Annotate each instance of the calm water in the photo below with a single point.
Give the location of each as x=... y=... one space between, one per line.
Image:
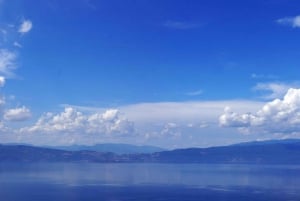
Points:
x=116 y=182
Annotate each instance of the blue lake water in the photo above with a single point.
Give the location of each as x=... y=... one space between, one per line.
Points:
x=122 y=182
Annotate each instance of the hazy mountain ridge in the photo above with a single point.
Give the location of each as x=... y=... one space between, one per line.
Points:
x=281 y=152
x=111 y=147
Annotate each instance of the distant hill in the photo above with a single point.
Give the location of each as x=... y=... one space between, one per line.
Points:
x=265 y=152
x=24 y=153
x=114 y=148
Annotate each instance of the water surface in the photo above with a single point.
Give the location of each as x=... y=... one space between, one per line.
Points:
x=90 y=181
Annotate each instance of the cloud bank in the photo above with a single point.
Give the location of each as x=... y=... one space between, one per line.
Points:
x=162 y=123
x=110 y=123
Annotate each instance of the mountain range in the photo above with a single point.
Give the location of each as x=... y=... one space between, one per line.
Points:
x=264 y=152
x=110 y=147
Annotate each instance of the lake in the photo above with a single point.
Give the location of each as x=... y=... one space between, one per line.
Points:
x=124 y=182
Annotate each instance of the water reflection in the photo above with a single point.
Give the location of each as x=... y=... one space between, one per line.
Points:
x=151 y=182
x=155 y=174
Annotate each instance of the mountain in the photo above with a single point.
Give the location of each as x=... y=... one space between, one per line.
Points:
x=113 y=148
x=266 y=152
x=247 y=153
x=24 y=153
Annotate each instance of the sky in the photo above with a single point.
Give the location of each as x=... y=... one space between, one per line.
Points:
x=168 y=73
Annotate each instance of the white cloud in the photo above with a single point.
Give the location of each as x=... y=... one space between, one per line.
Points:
x=7 y=62
x=2 y=81
x=233 y=119
x=157 y=120
x=290 y=21
x=274 y=90
x=185 y=112
x=110 y=115
x=171 y=130
x=17 y=114
x=163 y=123
x=25 y=26
x=278 y=116
x=71 y=121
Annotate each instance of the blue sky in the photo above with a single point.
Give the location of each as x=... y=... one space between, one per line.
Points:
x=171 y=73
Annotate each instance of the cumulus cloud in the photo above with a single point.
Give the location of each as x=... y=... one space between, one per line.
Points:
x=277 y=116
x=17 y=114
x=176 y=120
x=274 y=90
x=290 y=21
x=155 y=123
x=233 y=119
x=110 y=115
x=25 y=26
x=71 y=121
x=155 y=118
x=7 y=62
x=171 y=129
